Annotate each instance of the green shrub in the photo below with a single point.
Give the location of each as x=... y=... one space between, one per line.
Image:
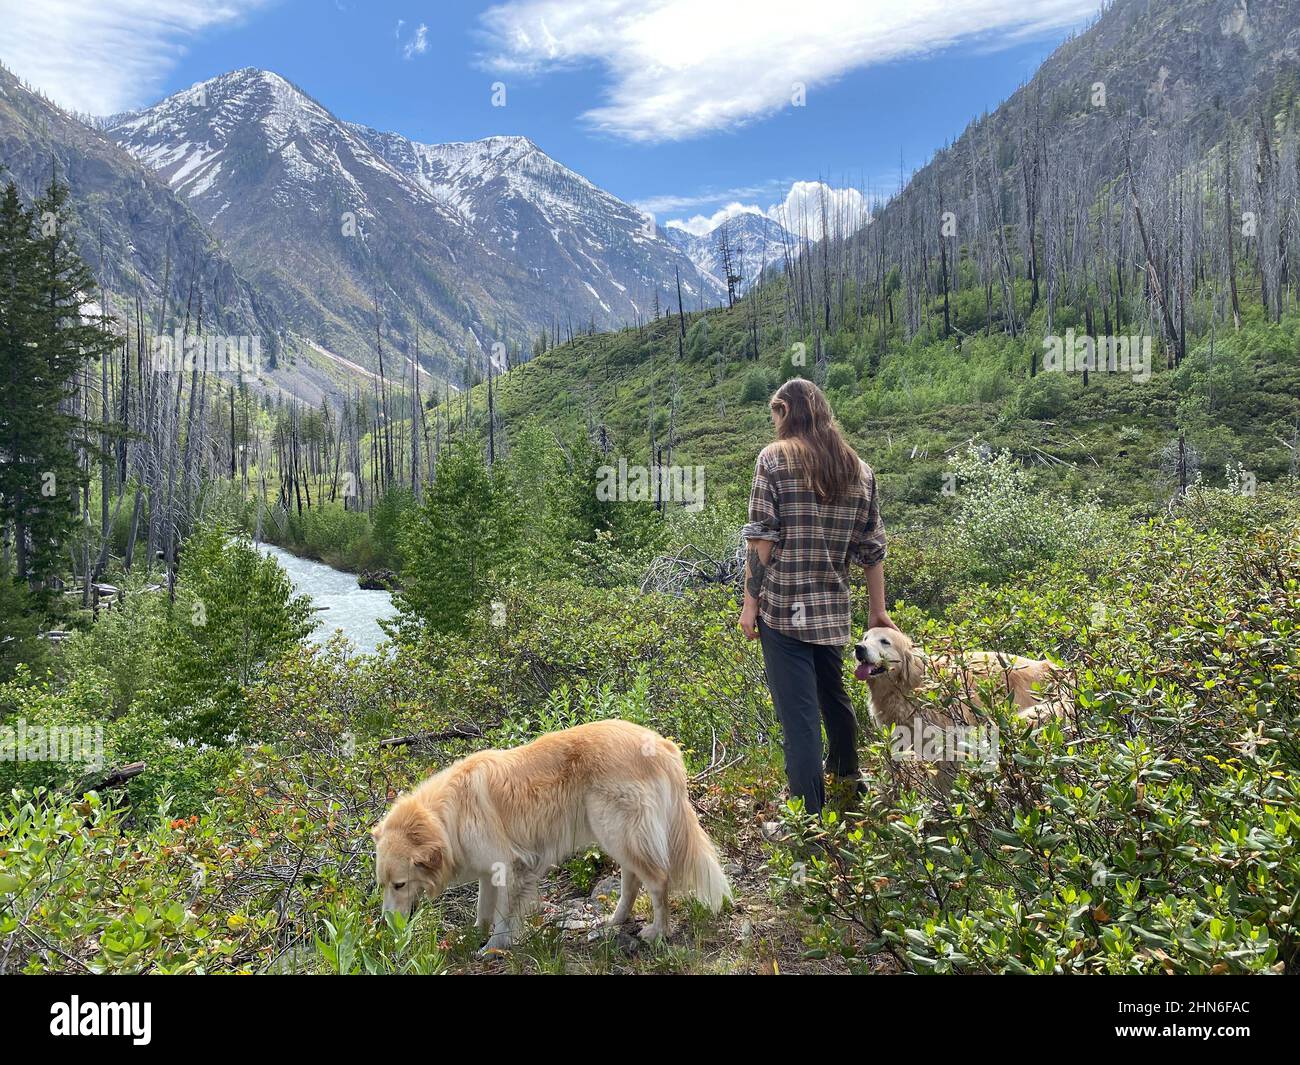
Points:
x=697 y=340
x=1046 y=395
x=1005 y=526
x=841 y=378
x=1155 y=829
x=1240 y=508
x=755 y=389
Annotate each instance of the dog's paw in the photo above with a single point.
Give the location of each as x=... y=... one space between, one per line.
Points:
x=498 y=943
x=652 y=933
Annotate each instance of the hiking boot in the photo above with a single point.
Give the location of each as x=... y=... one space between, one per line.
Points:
x=845 y=793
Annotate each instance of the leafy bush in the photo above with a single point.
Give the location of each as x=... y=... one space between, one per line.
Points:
x=1005 y=526
x=1153 y=829
x=1157 y=829
x=275 y=873
x=755 y=389
x=1238 y=509
x=841 y=378
x=122 y=648
x=1044 y=396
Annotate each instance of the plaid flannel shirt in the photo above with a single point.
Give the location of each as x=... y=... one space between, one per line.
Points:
x=805 y=593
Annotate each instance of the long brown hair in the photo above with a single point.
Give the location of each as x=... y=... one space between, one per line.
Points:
x=807 y=435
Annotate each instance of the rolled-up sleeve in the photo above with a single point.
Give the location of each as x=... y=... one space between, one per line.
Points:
x=764 y=506
x=868 y=545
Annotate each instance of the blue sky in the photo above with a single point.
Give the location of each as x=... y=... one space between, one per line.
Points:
x=682 y=106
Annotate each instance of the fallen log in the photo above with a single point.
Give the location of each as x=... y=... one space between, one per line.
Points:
x=110 y=778
x=460 y=732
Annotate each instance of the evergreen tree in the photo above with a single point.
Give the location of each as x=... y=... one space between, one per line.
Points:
x=465 y=536
x=235 y=613
x=539 y=475
x=18 y=480
x=45 y=341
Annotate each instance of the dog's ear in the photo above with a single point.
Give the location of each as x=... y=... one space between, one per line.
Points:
x=429 y=859
x=426 y=845
x=913 y=669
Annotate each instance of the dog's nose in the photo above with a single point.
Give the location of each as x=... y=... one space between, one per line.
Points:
x=859 y=652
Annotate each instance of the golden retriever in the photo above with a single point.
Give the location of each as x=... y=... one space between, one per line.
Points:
x=504 y=818
x=893 y=668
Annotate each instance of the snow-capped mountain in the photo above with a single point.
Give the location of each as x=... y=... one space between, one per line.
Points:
x=139 y=239
x=470 y=242
x=539 y=213
x=749 y=241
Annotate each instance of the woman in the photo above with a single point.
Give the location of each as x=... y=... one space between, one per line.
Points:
x=813 y=512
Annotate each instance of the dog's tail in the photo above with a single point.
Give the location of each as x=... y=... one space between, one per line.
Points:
x=693 y=857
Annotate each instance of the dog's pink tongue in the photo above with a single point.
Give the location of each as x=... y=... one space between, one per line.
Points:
x=863 y=671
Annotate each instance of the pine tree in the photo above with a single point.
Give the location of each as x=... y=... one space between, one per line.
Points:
x=235 y=612
x=46 y=340
x=18 y=475
x=456 y=545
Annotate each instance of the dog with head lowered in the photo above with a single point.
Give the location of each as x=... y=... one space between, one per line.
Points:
x=503 y=818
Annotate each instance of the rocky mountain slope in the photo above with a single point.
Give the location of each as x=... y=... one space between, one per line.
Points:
x=135 y=234
x=754 y=242
x=554 y=222
x=474 y=243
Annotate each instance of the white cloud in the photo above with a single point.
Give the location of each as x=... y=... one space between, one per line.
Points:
x=800 y=211
x=698 y=225
x=102 y=56
x=417 y=45
x=681 y=68
x=684 y=202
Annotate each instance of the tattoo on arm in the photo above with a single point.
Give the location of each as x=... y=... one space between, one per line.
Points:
x=756 y=570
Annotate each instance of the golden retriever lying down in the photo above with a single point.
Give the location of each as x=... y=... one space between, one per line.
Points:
x=893 y=669
x=504 y=818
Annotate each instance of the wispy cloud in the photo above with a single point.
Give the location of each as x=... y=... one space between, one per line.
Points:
x=670 y=203
x=417 y=43
x=682 y=68
x=102 y=56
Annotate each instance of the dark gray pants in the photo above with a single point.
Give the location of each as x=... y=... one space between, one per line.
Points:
x=807 y=685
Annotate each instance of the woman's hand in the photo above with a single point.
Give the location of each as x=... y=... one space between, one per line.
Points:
x=749 y=620
x=880 y=619
x=877 y=616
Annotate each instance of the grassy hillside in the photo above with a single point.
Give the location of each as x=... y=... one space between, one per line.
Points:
x=1236 y=398
x=1141 y=530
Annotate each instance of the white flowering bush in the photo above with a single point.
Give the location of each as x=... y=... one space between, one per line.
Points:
x=1005 y=524
x=1240 y=507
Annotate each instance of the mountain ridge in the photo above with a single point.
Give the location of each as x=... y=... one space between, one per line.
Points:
x=754 y=242
x=473 y=243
